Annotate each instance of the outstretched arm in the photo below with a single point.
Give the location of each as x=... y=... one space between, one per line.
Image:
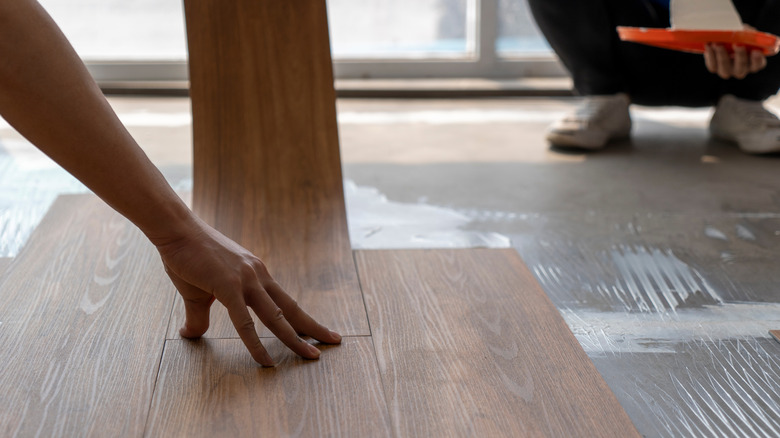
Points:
x=47 y=94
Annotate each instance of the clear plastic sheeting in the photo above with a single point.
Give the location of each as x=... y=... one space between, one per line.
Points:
x=376 y=222
x=29 y=184
x=718 y=388
x=654 y=280
x=604 y=334
x=646 y=279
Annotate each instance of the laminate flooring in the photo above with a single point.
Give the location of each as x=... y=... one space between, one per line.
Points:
x=4 y=262
x=463 y=343
x=211 y=388
x=82 y=325
x=467 y=340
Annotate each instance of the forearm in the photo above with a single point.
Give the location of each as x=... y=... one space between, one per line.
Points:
x=47 y=94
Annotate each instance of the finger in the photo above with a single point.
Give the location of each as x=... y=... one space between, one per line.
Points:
x=710 y=60
x=741 y=62
x=723 y=62
x=242 y=321
x=272 y=317
x=757 y=61
x=196 y=320
x=301 y=321
x=197 y=305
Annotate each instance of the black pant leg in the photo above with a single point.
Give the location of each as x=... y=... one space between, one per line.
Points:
x=582 y=34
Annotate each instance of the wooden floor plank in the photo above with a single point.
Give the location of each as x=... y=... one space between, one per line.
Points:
x=82 y=323
x=211 y=387
x=267 y=168
x=4 y=262
x=469 y=345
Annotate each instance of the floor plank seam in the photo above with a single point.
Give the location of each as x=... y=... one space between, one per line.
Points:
x=362 y=294
x=159 y=363
x=393 y=431
x=170 y=315
x=154 y=388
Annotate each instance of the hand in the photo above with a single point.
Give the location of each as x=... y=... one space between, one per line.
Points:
x=205 y=265
x=718 y=61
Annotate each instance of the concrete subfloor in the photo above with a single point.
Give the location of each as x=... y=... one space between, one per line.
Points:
x=659 y=251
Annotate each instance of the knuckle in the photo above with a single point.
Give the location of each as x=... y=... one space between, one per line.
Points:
x=246 y=270
x=275 y=319
x=247 y=325
x=260 y=268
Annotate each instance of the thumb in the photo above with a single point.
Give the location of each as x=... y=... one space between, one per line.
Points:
x=197 y=305
x=196 y=321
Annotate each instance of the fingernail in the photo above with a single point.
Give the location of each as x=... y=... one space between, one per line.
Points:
x=335 y=335
x=313 y=350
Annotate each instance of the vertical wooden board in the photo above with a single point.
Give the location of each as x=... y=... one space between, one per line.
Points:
x=267 y=169
x=211 y=387
x=82 y=325
x=469 y=345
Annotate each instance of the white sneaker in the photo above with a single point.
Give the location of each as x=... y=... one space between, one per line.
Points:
x=595 y=122
x=748 y=123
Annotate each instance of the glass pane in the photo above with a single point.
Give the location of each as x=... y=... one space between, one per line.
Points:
x=401 y=28
x=517 y=32
x=106 y=30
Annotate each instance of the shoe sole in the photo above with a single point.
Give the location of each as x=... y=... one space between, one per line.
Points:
x=772 y=149
x=581 y=140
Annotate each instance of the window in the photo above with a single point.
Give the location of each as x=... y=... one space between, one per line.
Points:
x=126 y=40
x=518 y=35
x=417 y=29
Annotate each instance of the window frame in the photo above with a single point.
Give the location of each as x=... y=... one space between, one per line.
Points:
x=483 y=62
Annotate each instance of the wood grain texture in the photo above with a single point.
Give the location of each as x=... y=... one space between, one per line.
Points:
x=267 y=169
x=82 y=325
x=4 y=262
x=469 y=345
x=775 y=334
x=211 y=387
